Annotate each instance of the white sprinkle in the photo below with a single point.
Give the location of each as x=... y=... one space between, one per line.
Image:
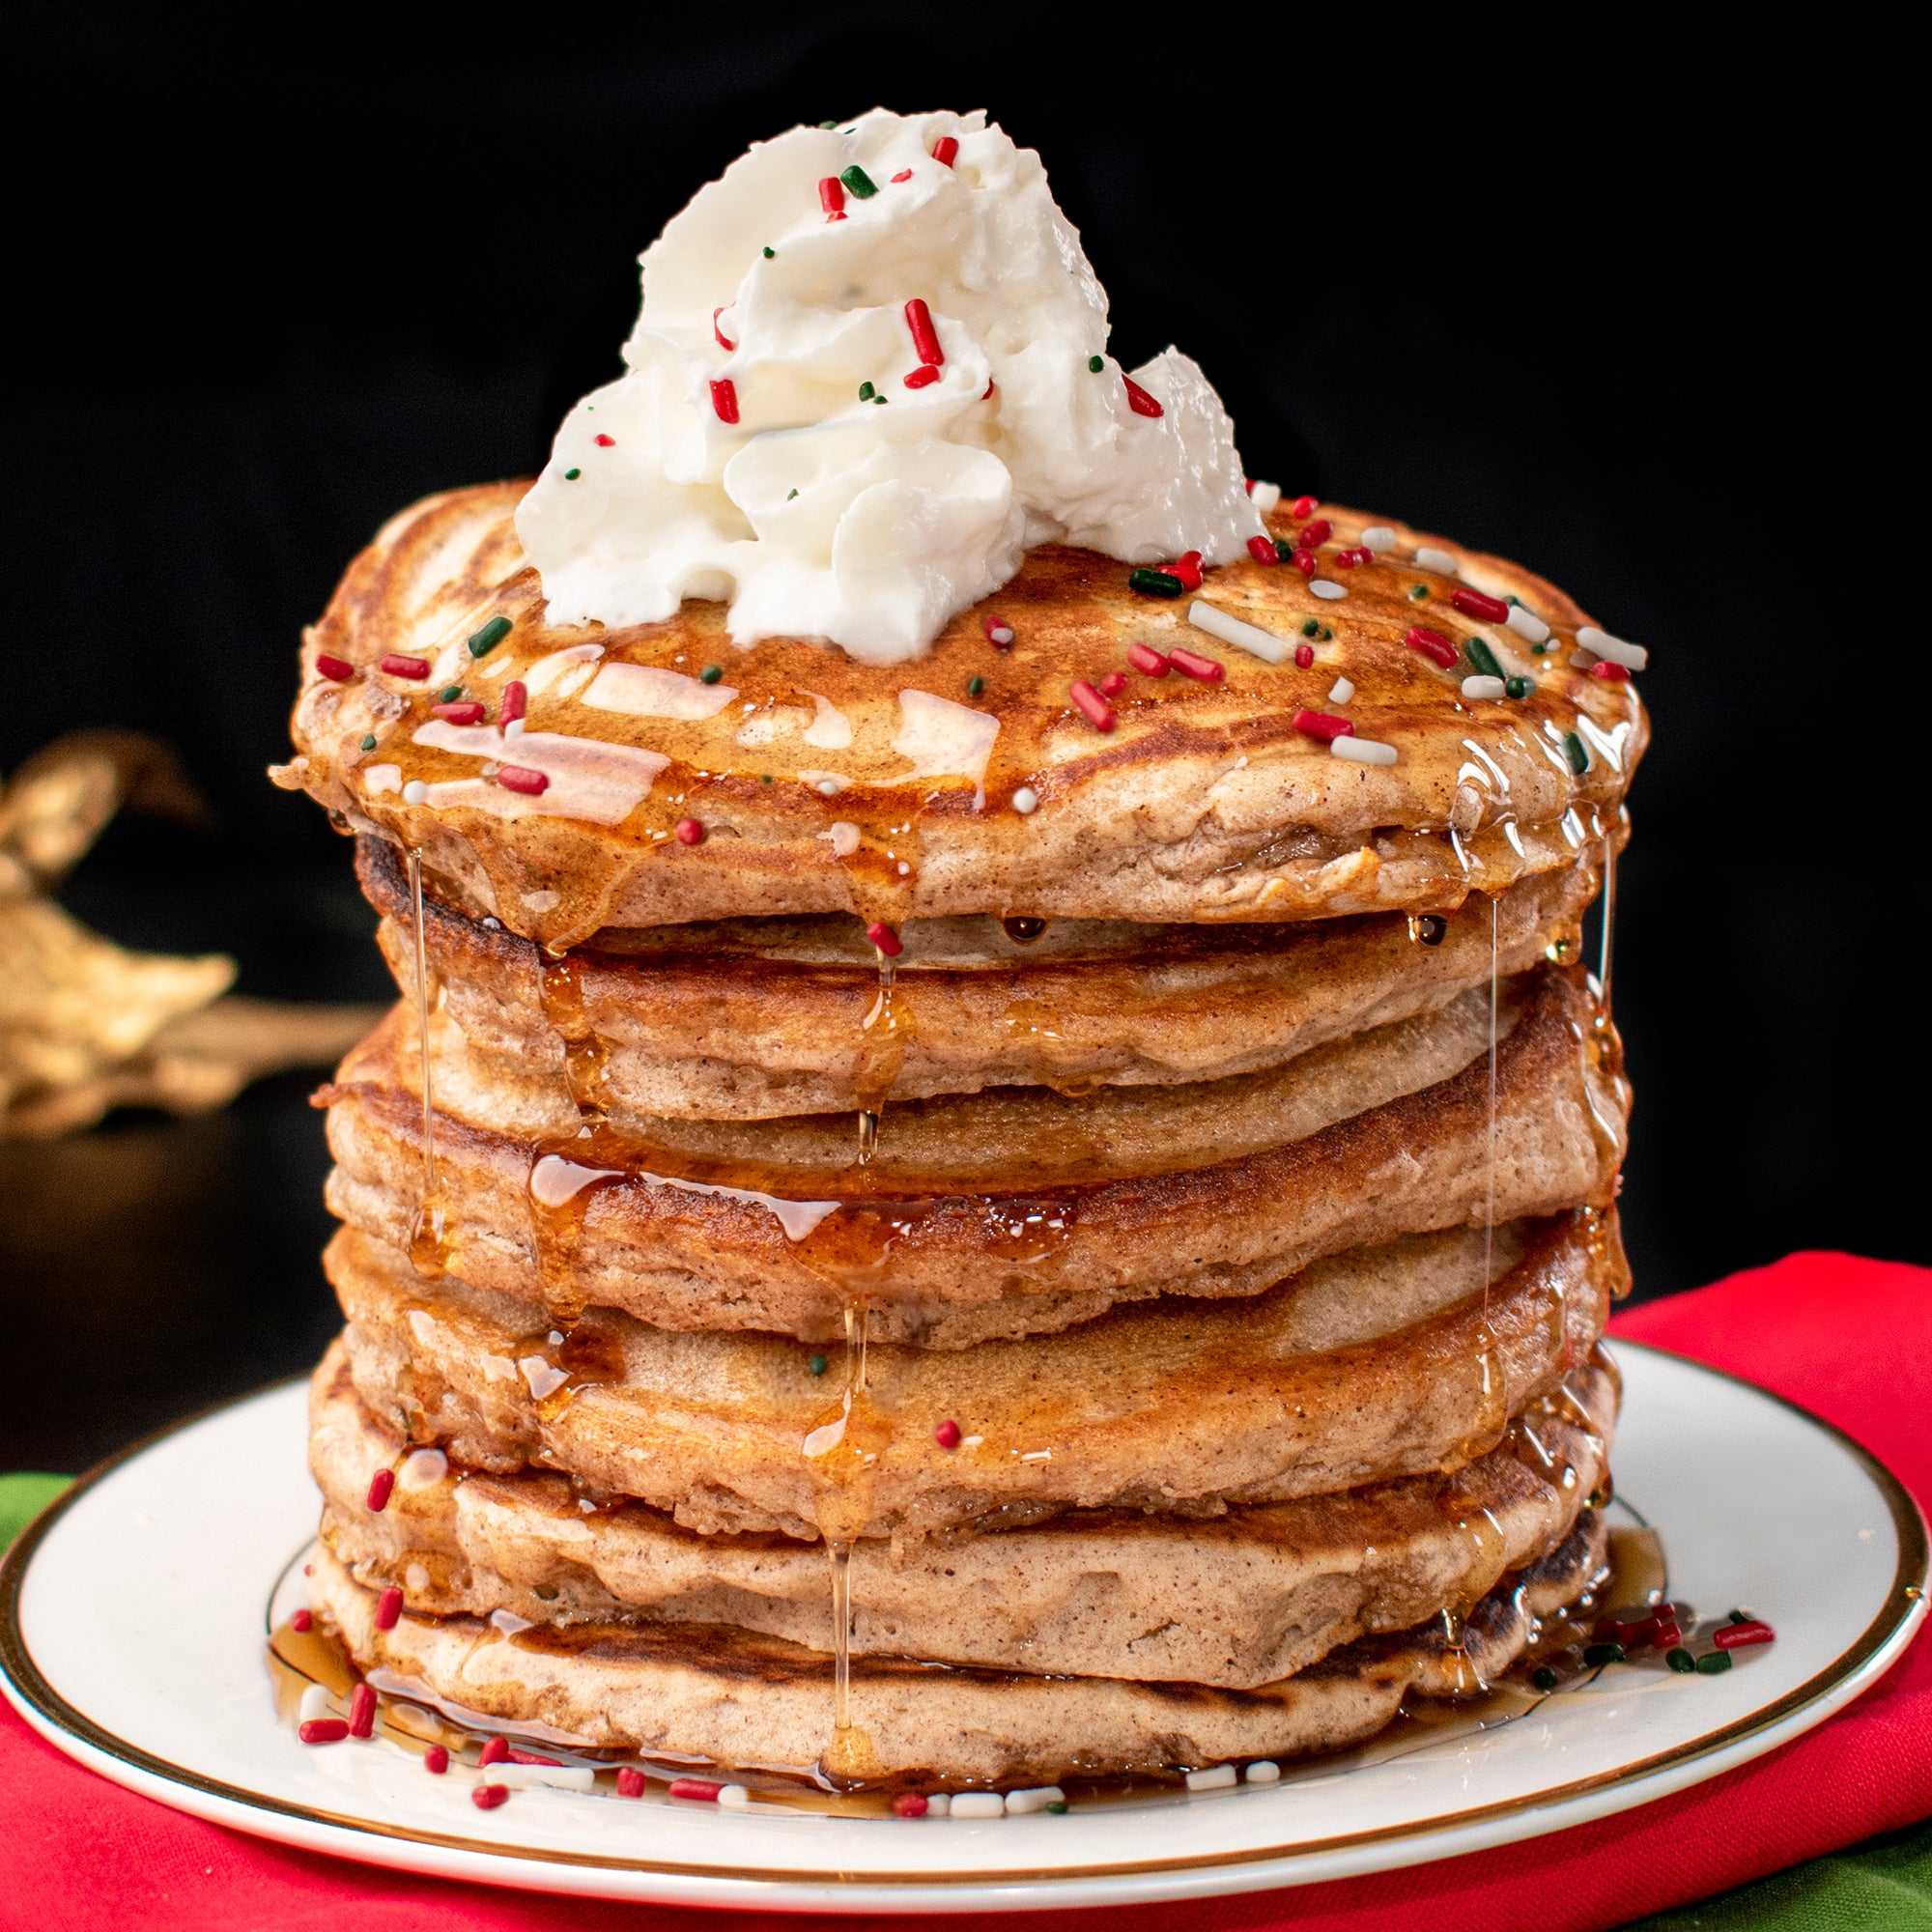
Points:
x=1265 y=496
x=971 y=1441
x=1379 y=536
x=1250 y=638
x=314 y=1703
x=979 y=1805
x=844 y=835
x=1526 y=624
x=1323 y=587
x=415 y=792
x=1633 y=657
x=545 y=1377
x=938 y=1804
x=534 y=1777
x=1218 y=1778
x=515 y=727
x=1001 y=635
x=1438 y=561
x=1362 y=750
x=1019 y=1802
x=734 y=1796
x=423 y=1468
x=1341 y=691
x=1482 y=686
x=508 y=1621
x=1263 y=1771
x=1026 y=800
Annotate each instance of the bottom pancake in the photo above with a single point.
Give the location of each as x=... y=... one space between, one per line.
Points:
x=1236 y=1600
x=695 y=1691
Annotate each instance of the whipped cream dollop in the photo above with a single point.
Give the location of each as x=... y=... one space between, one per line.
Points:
x=870 y=371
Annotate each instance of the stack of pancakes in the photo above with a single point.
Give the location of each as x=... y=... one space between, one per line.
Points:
x=1121 y=1220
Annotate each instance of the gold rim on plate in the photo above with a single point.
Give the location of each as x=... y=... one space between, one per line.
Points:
x=1901 y=1604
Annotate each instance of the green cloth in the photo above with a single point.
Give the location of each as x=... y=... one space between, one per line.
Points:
x=1883 y=1885
x=22 y=1498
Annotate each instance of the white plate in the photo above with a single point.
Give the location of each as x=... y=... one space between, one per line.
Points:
x=132 y=1619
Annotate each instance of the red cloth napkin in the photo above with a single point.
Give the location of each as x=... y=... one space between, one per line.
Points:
x=1850 y=1338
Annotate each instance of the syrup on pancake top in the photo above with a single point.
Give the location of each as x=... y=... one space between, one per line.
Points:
x=874 y=585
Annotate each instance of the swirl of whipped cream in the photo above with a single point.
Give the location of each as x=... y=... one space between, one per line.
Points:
x=784 y=438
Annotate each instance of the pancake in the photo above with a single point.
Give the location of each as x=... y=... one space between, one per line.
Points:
x=738 y=1698
x=820 y=788
x=1381 y=1362
x=754 y=1018
x=690 y=1239
x=1239 y=1600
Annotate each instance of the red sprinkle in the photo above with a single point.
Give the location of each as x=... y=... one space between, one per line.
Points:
x=435 y=1760
x=302 y=1621
x=999 y=632
x=381 y=1484
x=1191 y=663
x=464 y=711
x=629 y=1781
x=904 y=174
x=516 y=701
x=910 y=1805
x=884 y=939
x=487 y=1797
x=922 y=376
x=688 y=831
x=947 y=1434
x=717 y=333
x=389 y=1607
x=401 y=667
x=604 y=442
x=1304 y=656
x=1098 y=712
x=1317 y=533
x=523 y=779
x=1740 y=1636
x=986 y=392
x=1479 y=603
x=1320 y=725
x=322 y=1731
x=1610 y=673
x=495 y=1750
x=1113 y=684
x=1432 y=645
x=1139 y=401
x=724 y=399
x=832 y=198
x=696 y=1787
x=1304 y=560
x=1262 y=550
x=1354 y=557
x=943 y=150
x=337 y=670
x=1145 y=658
x=361 y=1711
x=1302 y=506
x=1187 y=569
x=532 y=1757
x=924 y=337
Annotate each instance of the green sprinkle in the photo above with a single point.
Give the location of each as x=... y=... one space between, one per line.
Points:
x=489 y=637
x=866 y=392
x=1537 y=650
x=770 y=253
x=1284 y=550
x=1515 y=687
x=1417 y=592
x=1096 y=363
x=789 y=494
x=711 y=673
x=1681 y=1661
x=816 y=1365
x=1311 y=629
x=1512 y=600
x=1482 y=657
x=1155 y=583
x=879 y=399
x=1741 y=1616
x=1579 y=752
x=571 y=475
x=764 y=777
x=1716 y=1664
x=1327 y=636
x=1545 y=1678
x=1603 y=1653
x=368 y=744
x=858 y=182
x=828 y=123
x=449 y=693
x=975 y=686
x=1057 y=1806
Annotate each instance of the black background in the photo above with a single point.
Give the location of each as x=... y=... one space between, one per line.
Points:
x=1605 y=290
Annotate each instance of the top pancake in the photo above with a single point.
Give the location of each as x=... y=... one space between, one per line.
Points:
x=825 y=786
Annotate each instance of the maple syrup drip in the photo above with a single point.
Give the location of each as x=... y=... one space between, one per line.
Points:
x=1606 y=946
x=429 y=1237
x=560 y=987
x=1463 y=1673
x=882 y=1050
x=1490 y=1213
x=1023 y=931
